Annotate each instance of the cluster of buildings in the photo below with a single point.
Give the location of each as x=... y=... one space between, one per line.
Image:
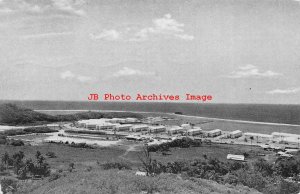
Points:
x=133 y=125
x=120 y=124
x=282 y=138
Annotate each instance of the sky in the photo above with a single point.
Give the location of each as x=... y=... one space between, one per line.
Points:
x=238 y=51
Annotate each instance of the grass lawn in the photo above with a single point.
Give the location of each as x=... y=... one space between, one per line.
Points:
x=218 y=151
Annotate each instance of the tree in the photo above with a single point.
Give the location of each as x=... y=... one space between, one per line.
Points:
x=152 y=167
x=38 y=154
x=251 y=139
x=71 y=166
x=5 y=158
x=30 y=166
x=263 y=167
x=18 y=161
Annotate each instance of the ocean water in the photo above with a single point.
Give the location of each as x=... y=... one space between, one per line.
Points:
x=288 y=114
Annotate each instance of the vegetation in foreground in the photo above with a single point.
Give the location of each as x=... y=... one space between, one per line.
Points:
x=266 y=177
x=215 y=175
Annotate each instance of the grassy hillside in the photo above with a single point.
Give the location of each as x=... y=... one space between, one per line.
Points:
x=125 y=182
x=11 y=114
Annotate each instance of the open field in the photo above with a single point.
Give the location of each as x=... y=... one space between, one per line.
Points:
x=80 y=156
x=218 y=151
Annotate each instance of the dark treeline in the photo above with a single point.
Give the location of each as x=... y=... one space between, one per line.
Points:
x=11 y=114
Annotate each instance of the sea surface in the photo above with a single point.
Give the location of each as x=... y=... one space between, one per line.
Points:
x=287 y=114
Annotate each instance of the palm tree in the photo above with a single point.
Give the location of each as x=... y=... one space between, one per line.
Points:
x=251 y=138
x=5 y=158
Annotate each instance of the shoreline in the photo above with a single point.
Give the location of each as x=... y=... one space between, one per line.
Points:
x=188 y=116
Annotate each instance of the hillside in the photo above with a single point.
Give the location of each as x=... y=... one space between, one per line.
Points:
x=11 y=114
x=125 y=182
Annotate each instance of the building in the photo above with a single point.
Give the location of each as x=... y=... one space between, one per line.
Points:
x=157 y=129
x=214 y=133
x=90 y=123
x=175 y=130
x=131 y=120
x=235 y=134
x=258 y=137
x=186 y=126
x=53 y=126
x=117 y=120
x=282 y=136
x=292 y=142
x=194 y=131
x=125 y=127
x=235 y=157
x=137 y=128
x=106 y=126
x=81 y=123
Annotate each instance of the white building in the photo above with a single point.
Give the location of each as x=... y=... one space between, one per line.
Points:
x=186 y=126
x=137 y=128
x=214 y=133
x=125 y=127
x=282 y=136
x=292 y=142
x=90 y=123
x=131 y=120
x=106 y=126
x=53 y=126
x=194 y=131
x=175 y=130
x=235 y=134
x=117 y=120
x=157 y=129
x=235 y=157
x=258 y=136
x=81 y=123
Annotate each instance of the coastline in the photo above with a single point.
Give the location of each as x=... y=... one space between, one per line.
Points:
x=186 y=116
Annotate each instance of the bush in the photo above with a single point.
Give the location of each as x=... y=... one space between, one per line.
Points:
x=54 y=176
x=115 y=165
x=182 y=143
x=17 y=142
x=3 y=141
x=39 y=130
x=287 y=167
x=81 y=145
x=8 y=185
x=51 y=154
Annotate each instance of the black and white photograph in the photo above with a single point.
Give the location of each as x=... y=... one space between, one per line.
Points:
x=149 y=96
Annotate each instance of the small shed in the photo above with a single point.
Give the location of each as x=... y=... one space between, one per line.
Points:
x=235 y=157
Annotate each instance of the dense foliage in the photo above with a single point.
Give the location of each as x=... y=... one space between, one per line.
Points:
x=11 y=114
x=260 y=174
x=23 y=167
x=29 y=130
x=184 y=142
